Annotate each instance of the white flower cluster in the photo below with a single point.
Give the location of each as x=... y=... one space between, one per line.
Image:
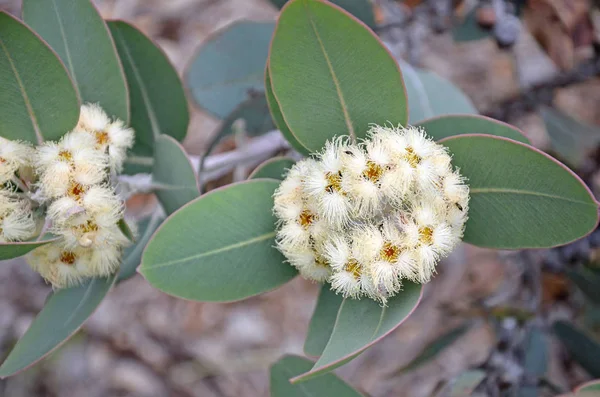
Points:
x=364 y=217
x=17 y=220
x=74 y=186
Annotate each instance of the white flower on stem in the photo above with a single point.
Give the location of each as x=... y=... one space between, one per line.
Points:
x=17 y=222
x=14 y=156
x=60 y=266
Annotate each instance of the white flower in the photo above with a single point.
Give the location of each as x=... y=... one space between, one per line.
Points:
x=60 y=266
x=14 y=155
x=17 y=222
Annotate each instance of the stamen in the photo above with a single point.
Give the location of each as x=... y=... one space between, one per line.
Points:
x=373 y=171
x=353 y=267
x=390 y=252
x=426 y=235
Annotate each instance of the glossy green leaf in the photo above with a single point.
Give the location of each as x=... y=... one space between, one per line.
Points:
x=277 y=116
x=469 y=29
x=436 y=347
x=361 y=9
x=15 y=250
x=331 y=75
x=133 y=254
x=38 y=100
x=466 y=383
x=173 y=174
x=360 y=324
x=157 y=99
x=537 y=355
x=219 y=247
x=229 y=66
x=322 y=321
x=78 y=34
x=459 y=124
x=588 y=282
x=520 y=197
x=571 y=140
x=63 y=314
x=582 y=348
x=430 y=95
x=327 y=386
x=274 y=168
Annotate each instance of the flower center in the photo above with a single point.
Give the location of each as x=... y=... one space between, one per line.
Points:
x=76 y=190
x=306 y=218
x=67 y=257
x=426 y=235
x=390 y=252
x=373 y=171
x=354 y=268
x=102 y=138
x=65 y=155
x=334 y=182
x=412 y=158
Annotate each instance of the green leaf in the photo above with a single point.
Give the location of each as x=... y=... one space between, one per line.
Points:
x=436 y=347
x=570 y=139
x=174 y=175
x=520 y=197
x=229 y=66
x=63 y=314
x=360 y=324
x=588 y=282
x=39 y=101
x=157 y=99
x=331 y=75
x=459 y=124
x=274 y=168
x=133 y=254
x=584 y=350
x=430 y=95
x=536 y=353
x=589 y=387
x=78 y=34
x=126 y=230
x=466 y=383
x=327 y=386
x=469 y=29
x=278 y=117
x=322 y=321
x=15 y=250
x=361 y=9
x=219 y=247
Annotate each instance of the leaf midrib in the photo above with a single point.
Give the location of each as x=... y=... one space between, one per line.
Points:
x=231 y=247
x=66 y=44
x=500 y=190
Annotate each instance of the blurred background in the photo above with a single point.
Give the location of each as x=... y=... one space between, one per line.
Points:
x=529 y=320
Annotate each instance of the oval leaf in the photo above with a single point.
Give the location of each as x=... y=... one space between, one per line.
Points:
x=63 y=314
x=587 y=281
x=430 y=95
x=78 y=34
x=173 y=174
x=520 y=197
x=536 y=353
x=581 y=347
x=327 y=386
x=157 y=98
x=361 y=9
x=229 y=66
x=459 y=124
x=278 y=117
x=219 y=247
x=15 y=250
x=322 y=321
x=133 y=254
x=587 y=388
x=274 y=168
x=331 y=75
x=39 y=101
x=466 y=383
x=360 y=324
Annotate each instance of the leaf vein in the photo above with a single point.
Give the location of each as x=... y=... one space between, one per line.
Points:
x=527 y=192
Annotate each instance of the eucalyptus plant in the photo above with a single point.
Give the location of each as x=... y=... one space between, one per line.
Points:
x=381 y=195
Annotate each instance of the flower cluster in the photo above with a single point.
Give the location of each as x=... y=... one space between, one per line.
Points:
x=75 y=188
x=17 y=220
x=364 y=217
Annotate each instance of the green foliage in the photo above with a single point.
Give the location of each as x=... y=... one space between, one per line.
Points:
x=466 y=383
x=446 y=126
x=361 y=323
x=570 y=139
x=157 y=100
x=520 y=197
x=536 y=353
x=15 y=250
x=326 y=386
x=278 y=117
x=588 y=281
x=76 y=31
x=583 y=349
x=322 y=321
x=173 y=174
x=331 y=76
x=39 y=101
x=434 y=348
x=133 y=253
x=430 y=95
x=587 y=389
x=274 y=168
x=361 y=9
x=219 y=247
x=63 y=314
x=228 y=67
